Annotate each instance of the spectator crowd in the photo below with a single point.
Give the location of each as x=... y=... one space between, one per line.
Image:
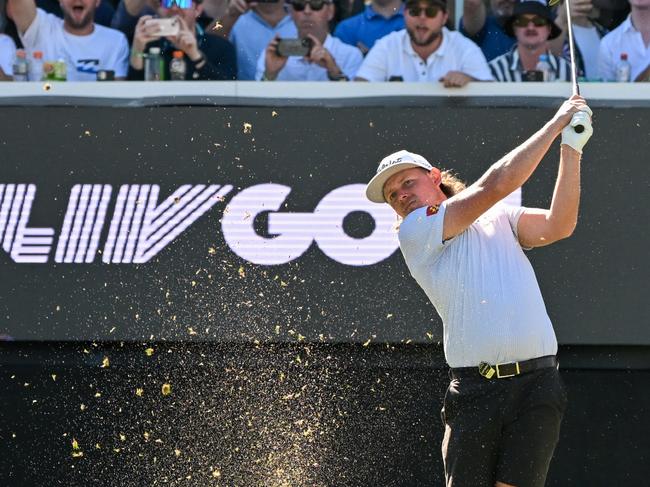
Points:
x=323 y=40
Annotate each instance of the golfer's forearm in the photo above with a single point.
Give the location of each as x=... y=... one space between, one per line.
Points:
x=563 y=215
x=514 y=169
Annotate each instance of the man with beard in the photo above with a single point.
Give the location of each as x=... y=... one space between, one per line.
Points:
x=486 y=29
x=328 y=58
x=85 y=46
x=425 y=51
x=532 y=26
x=380 y=18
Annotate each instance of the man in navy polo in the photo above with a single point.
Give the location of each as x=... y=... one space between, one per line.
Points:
x=379 y=19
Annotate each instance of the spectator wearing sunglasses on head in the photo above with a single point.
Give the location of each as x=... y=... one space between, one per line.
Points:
x=532 y=26
x=85 y=47
x=327 y=58
x=425 y=51
x=206 y=57
x=250 y=26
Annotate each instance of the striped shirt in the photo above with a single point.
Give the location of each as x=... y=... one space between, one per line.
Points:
x=507 y=67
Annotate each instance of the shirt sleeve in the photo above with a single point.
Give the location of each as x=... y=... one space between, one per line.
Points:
x=122 y=59
x=40 y=30
x=375 y=65
x=7 y=54
x=513 y=213
x=474 y=63
x=420 y=234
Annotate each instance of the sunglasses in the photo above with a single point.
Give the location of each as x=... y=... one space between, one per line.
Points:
x=431 y=11
x=182 y=4
x=315 y=5
x=524 y=21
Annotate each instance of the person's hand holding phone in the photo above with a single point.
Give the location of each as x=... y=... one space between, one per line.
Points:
x=144 y=34
x=273 y=62
x=185 y=41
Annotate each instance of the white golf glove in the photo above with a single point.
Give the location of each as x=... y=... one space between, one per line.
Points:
x=574 y=139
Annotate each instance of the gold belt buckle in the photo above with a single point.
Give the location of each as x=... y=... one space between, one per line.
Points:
x=504 y=376
x=486 y=370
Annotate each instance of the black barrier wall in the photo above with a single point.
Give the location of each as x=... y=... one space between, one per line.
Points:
x=247 y=223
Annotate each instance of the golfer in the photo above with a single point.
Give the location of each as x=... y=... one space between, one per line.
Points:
x=505 y=402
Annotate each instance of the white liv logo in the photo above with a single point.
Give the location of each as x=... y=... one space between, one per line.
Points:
x=140 y=227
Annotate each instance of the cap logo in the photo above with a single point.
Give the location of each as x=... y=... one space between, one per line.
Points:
x=386 y=164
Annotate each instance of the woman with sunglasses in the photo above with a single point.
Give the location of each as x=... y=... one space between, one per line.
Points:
x=206 y=57
x=532 y=26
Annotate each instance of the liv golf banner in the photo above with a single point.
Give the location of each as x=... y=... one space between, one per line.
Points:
x=245 y=224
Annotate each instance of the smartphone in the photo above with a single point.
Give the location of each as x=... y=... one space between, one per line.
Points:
x=532 y=76
x=166 y=27
x=294 y=47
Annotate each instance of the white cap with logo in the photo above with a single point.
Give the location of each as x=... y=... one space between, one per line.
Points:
x=390 y=165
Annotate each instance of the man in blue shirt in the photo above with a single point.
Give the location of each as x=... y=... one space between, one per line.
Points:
x=250 y=26
x=379 y=19
x=487 y=29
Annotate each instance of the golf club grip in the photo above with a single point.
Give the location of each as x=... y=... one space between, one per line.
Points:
x=579 y=129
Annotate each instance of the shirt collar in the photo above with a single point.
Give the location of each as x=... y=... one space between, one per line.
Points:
x=627 y=25
x=259 y=19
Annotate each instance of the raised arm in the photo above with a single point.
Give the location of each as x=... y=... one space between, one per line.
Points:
x=507 y=174
x=474 y=13
x=22 y=12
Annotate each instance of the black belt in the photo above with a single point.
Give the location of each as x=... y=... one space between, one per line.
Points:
x=502 y=371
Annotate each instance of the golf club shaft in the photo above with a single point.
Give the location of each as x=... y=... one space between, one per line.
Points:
x=574 y=71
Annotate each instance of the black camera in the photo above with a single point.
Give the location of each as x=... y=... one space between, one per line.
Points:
x=294 y=47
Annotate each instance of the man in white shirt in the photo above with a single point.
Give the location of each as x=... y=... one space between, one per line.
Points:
x=425 y=51
x=85 y=46
x=328 y=58
x=504 y=406
x=632 y=37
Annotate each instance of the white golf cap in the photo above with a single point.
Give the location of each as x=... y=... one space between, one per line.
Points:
x=390 y=165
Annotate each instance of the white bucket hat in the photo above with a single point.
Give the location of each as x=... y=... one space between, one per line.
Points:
x=390 y=165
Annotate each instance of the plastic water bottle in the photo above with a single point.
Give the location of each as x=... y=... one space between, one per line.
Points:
x=623 y=69
x=177 y=67
x=153 y=65
x=36 y=66
x=545 y=67
x=21 y=66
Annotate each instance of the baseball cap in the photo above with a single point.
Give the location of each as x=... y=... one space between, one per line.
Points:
x=533 y=7
x=441 y=3
x=389 y=165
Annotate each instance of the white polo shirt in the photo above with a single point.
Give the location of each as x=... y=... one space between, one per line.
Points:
x=624 y=39
x=347 y=57
x=482 y=285
x=393 y=56
x=104 y=48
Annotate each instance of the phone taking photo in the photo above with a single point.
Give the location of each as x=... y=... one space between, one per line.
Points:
x=294 y=47
x=166 y=27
